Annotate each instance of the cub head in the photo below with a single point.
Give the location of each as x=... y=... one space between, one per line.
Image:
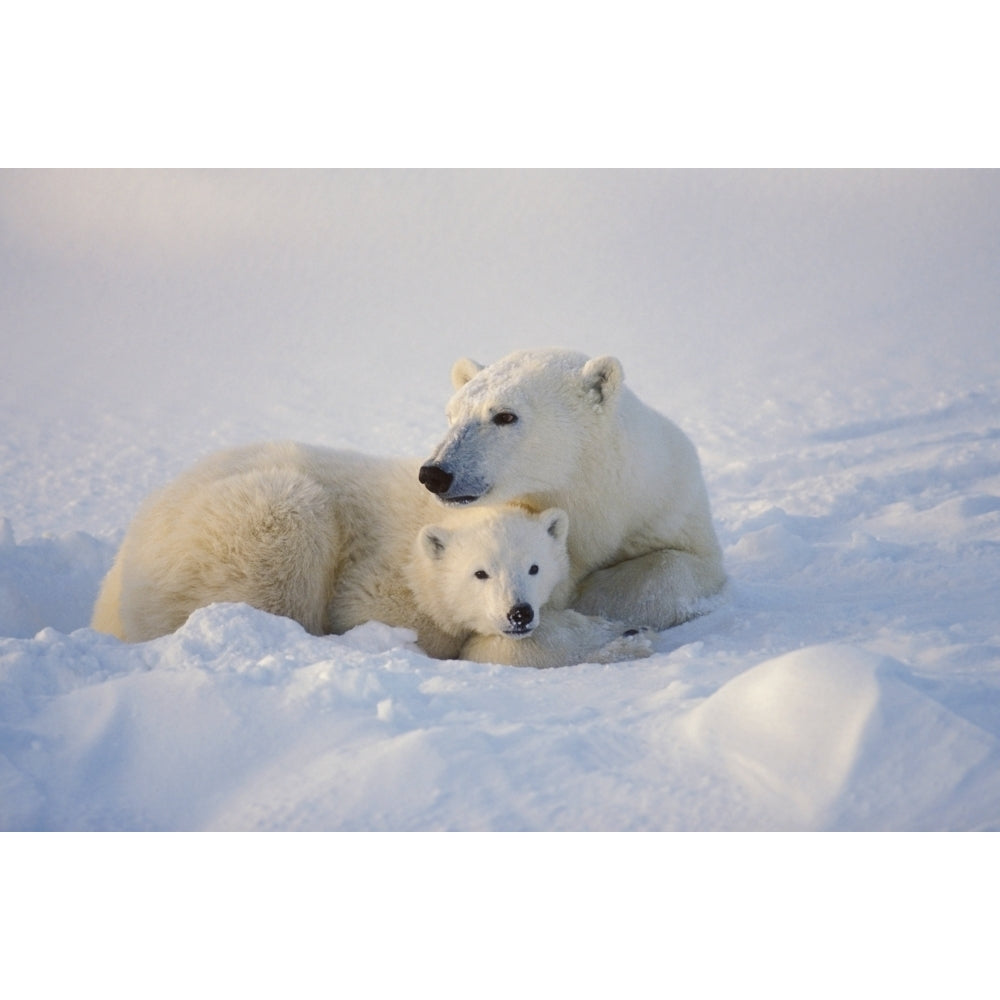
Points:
x=516 y=427
x=492 y=571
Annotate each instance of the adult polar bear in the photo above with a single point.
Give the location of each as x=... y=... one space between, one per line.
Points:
x=328 y=537
x=552 y=428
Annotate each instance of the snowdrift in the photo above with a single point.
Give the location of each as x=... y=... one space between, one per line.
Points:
x=243 y=721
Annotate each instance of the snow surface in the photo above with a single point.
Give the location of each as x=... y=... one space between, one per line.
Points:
x=829 y=341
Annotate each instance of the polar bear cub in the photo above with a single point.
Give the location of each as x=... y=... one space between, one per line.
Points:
x=492 y=574
x=334 y=539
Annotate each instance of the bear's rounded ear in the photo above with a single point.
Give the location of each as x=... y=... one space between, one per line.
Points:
x=463 y=370
x=433 y=540
x=602 y=378
x=556 y=522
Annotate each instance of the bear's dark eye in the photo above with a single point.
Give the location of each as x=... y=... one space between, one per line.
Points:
x=533 y=570
x=481 y=574
x=504 y=417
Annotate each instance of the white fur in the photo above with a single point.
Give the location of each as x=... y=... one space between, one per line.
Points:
x=553 y=428
x=334 y=539
x=472 y=576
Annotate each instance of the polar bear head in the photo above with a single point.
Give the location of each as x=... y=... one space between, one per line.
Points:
x=517 y=428
x=490 y=571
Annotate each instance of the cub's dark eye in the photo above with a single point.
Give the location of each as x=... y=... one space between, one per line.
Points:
x=504 y=418
x=533 y=570
x=481 y=574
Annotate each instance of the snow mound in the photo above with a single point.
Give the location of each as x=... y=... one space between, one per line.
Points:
x=835 y=737
x=242 y=720
x=49 y=581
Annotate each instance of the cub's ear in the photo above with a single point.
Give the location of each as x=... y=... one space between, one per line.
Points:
x=602 y=378
x=462 y=370
x=556 y=522
x=433 y=540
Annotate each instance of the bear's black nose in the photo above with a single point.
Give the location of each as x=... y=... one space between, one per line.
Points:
x=435 y=478
x=520 y=615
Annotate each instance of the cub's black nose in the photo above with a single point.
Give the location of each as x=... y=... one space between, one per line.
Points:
x=435 y=478
x=520 y=615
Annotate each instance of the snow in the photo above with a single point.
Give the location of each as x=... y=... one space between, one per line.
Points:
x=827 y=339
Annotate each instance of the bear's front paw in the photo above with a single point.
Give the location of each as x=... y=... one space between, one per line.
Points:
x=641 y=630
x=633 y=644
